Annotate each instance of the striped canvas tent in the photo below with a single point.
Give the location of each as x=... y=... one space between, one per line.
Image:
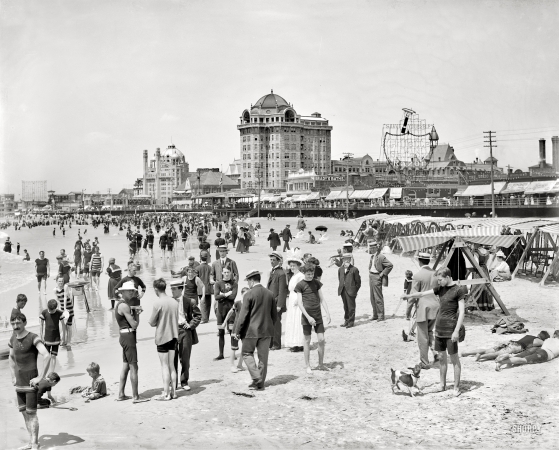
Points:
x=481 y=235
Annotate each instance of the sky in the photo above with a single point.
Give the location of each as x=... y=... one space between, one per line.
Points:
x=87 y=85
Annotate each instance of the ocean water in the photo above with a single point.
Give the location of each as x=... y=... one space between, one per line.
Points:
x=18 y=277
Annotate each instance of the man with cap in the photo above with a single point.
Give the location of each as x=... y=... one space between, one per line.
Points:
x=221 y=262
x=191 y=263
x=286 y=236
x=274 y=239
x=255 y=326
x=427 y=308
x=349 y=283
x=189 y=319
x=277 y=284
x=127 y=325
x=379 y=268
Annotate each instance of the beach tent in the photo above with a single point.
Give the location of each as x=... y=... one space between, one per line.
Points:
x=541 y=249
x=455 y=240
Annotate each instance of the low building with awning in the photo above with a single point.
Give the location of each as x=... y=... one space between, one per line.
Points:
x=396 y=193
x=361 y=194
x=481 y=190
x=378 y=193
x=542 y=187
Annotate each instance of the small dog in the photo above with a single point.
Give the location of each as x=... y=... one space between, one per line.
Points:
x=407 y=378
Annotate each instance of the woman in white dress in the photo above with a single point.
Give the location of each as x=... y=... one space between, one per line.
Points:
x=293 y=329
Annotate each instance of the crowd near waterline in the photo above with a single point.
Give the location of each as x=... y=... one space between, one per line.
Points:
x=257 y=312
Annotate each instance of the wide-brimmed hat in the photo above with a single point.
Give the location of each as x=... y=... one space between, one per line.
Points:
x=347 y=256
x=128 y=286
x=222 y=248
x=276 y=255
x=500 y=254
x=251 y=274
x=295 y=260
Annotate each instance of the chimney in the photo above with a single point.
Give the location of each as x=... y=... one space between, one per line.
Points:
x=542 y=153
x=555 y=153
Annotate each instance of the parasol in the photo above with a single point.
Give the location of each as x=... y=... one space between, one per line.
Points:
x=321 y=228
x=242 y=224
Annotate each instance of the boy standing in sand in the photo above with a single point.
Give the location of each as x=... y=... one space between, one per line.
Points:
x=50 y=329
x=310 y=300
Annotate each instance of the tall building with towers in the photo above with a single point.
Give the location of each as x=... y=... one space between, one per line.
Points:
x=275 y=140
x=163 y=173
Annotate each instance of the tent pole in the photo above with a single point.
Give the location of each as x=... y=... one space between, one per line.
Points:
x=489 y=284
x=542 y=283
x=524 y=253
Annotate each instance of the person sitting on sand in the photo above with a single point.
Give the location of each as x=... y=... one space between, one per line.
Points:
x=534 y=355
x=509 y=348
x=499 y=270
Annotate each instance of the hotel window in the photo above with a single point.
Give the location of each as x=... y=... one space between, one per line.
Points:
x=248 y=166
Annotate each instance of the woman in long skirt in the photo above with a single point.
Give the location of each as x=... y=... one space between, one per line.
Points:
x=293 y=329
x=241 y=245
x=115 y=274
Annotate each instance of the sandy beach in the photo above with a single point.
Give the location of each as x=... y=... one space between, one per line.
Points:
x=351 y=406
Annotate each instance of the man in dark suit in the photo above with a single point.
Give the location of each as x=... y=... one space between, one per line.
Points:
x=220 y=263
x=189 y=318
x=277 y=284
x=204 y=271
x=286 y=236
x=379 y=268
x=274 y=239
x=255 y=326
x=349 y=284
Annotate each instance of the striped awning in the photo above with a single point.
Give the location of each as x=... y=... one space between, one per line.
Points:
x=483 y=189
x=363 y=194
x=551 y=229
x=529 y=226
x=300 y=198
x=313 y=196
x=333 y=195
x=378 y=193
x=540 y=187
x=515 y=187
x=483 y=236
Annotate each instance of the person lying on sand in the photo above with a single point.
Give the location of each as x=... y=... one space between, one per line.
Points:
x=508 y=348
x=535 y=355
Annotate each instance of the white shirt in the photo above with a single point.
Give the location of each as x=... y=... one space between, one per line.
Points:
x=182 y=315
x=551 y=346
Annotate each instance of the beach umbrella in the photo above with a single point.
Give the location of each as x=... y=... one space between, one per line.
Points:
x=242 y=224
x=321 y=228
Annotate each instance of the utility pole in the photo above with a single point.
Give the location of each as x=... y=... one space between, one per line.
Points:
x=491 y=139
x=347 y=157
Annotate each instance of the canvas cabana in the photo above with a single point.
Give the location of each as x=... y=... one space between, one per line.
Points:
x=455 y=241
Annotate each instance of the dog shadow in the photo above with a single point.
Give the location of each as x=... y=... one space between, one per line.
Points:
x=59 y=440
x=279 y=380
x=468 y=386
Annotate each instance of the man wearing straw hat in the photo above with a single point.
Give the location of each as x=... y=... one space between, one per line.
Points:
x=255 y=326
x=427 y=308
x=379 y=268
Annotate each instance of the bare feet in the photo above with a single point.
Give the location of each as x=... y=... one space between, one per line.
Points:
x=309 y=370
x=498 y=367
x=161 y=398
x=25 y=447
x=457 y=392
x=141 y=400
x=121 y=399
x=234 y=369
x=478 y=356
x=322 y=367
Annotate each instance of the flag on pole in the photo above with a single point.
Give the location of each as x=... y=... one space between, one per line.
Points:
x=221 y=179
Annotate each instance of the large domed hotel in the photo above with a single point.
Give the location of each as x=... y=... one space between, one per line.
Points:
x=275 y=140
